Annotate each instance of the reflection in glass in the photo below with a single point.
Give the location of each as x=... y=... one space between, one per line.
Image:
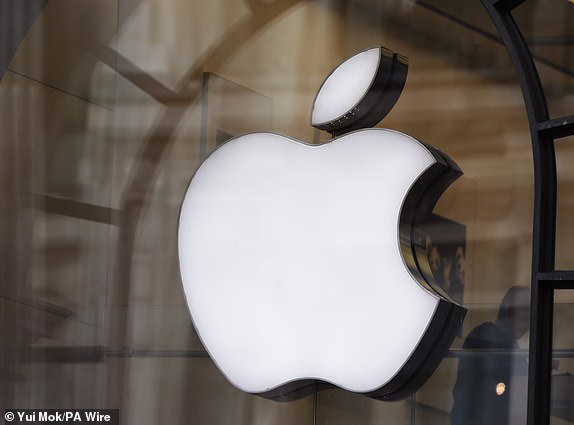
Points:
x=101 y=118
x=562 y=377
x=486 y=381
x=564 y=206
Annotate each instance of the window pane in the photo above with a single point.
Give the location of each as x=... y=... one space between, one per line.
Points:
x=108 y=108
x=562 y=377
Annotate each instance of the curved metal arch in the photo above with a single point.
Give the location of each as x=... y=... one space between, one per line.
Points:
x=545 y=278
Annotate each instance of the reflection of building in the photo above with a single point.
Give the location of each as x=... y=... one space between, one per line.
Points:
x=445 y=243
x=100 y=116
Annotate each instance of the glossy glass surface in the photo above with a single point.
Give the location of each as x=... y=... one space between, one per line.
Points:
x=108 y=108
x=562 y=378
x=564 y=231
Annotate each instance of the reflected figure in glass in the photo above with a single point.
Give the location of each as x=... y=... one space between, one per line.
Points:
x=483 y=389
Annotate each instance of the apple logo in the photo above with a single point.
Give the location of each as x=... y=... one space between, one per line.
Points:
x=299 y=262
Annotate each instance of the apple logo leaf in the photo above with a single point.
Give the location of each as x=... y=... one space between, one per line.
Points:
x=360 y=92
x=299 y=262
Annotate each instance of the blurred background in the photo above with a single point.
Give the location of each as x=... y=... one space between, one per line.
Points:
x=106 y=110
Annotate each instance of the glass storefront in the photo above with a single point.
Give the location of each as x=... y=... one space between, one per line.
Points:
x=108 y=108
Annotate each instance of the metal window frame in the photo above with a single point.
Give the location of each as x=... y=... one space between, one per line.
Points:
x=545 y=278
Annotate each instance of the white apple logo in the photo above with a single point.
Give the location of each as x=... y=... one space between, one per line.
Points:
x=299 y=266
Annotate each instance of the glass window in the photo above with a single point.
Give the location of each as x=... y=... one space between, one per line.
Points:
x=108 y=108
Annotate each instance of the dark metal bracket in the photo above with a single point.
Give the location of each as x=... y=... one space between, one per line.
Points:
x=545 y=278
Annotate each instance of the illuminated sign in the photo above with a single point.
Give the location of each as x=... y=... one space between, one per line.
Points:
x=298 y=262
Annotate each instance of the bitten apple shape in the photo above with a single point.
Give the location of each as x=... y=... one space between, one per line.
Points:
x=299 y=265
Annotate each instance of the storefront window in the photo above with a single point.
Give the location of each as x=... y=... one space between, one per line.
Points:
x=561 y=385
x=108 y=108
